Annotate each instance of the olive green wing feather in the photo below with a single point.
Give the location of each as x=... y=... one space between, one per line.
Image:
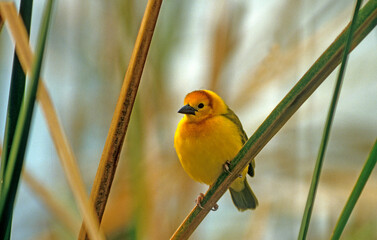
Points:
x=233 y=117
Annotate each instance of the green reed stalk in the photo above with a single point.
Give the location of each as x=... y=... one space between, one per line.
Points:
x=326 y=133
x=14 y=164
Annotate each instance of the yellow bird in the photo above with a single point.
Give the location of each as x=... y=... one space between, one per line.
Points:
x=207 y=138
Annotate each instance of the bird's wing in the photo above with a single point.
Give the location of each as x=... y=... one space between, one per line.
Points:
x=233 y=117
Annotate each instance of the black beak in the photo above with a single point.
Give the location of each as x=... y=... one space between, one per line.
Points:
x=187 y=109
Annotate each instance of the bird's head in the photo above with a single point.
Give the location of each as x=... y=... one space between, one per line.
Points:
x=202 y=104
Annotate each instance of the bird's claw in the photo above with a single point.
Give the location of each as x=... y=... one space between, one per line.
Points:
x=226 y=166
x=199 y=200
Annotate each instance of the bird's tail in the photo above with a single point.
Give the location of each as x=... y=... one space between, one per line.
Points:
x=244 y=199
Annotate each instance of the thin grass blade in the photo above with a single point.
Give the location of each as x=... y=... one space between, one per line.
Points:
x=326 y=133
x=17 y=151
x=356 y=192
x=16 y=91
x=317 y=73
x=64 y=150
x=16 y=95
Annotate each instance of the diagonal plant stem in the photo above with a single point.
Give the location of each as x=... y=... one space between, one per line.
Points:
x=357 y=189
x=68 y=161
x=326 y=133
x=326 y=63
x=69 y=164
x=118 y=128
x=16 y=95
x=17 y=152
x=16 y=91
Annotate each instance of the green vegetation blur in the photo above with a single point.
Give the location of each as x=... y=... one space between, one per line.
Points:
x=251 y=53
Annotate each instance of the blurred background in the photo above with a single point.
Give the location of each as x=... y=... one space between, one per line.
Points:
x=251 y=53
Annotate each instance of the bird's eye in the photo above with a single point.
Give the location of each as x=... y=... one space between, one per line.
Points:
x=201 y=105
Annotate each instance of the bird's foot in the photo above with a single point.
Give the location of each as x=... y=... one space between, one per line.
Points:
x=199 y=200
x=226 y=168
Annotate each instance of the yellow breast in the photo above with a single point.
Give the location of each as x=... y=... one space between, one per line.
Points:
x=204 y=147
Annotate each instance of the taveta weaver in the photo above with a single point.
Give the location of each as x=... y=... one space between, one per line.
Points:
x=207 y=138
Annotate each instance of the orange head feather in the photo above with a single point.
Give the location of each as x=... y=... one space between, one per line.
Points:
x=202 y=104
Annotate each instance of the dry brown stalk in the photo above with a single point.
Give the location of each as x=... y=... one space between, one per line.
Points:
x=118 y=128
x=15 y=24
